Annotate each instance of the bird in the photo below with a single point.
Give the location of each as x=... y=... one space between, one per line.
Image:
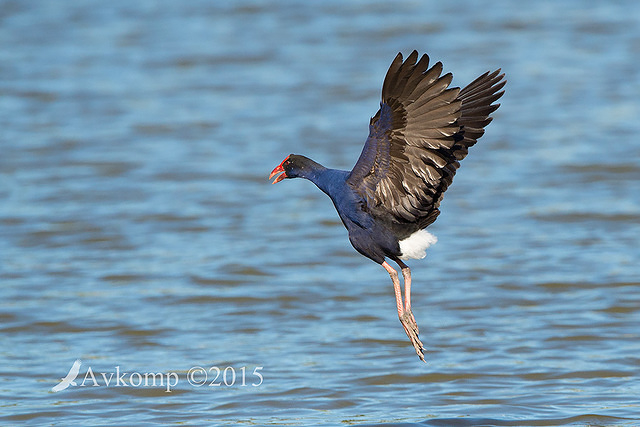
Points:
x=418 y=137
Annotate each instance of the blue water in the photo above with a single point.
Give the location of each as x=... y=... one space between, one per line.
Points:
x=139 y=233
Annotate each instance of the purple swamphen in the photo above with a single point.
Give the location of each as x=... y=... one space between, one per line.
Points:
x=416 y=140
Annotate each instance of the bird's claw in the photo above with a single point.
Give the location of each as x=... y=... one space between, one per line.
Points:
x=411 y=328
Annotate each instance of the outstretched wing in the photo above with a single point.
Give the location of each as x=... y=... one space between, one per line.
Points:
x=416 y=139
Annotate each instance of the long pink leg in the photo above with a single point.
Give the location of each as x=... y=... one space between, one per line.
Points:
x=406 y=275
x=404 y=311
x=396 y=286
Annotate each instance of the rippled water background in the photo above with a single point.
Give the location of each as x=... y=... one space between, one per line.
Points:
x=138 y=229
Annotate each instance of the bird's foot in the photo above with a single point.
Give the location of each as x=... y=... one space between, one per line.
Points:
x=411 y=320
x=411 y=328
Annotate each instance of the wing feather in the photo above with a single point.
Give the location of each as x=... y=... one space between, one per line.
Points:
x=417 y=138
x=428 y=78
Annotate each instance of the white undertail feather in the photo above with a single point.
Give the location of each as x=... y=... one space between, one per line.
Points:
x=415 y=246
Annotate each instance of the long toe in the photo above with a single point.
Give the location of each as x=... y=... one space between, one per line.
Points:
x=411 y=320
x=411 y=328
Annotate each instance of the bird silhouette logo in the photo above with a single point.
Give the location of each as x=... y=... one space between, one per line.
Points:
x=69 y=378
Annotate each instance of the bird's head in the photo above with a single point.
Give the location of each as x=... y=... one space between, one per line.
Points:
x=293 y=166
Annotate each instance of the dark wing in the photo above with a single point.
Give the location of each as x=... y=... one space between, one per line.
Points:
x=422 y=130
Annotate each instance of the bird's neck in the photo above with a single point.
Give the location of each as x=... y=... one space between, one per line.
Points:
x=327 y=180
x=330 y=180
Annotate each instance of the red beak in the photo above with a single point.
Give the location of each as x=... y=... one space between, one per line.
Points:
x=277 y=170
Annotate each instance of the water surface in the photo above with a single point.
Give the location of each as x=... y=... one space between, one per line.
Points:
x=139 y=234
